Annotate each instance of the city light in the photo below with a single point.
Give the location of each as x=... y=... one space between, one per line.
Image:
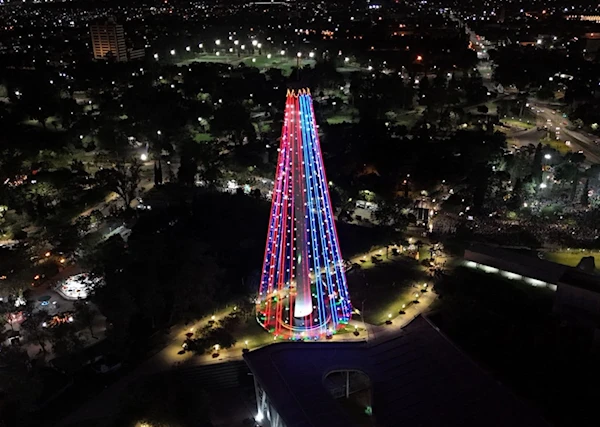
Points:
x=547 y=156
x=346 y=59
x=144 y=157
x=282 y=52
x=236 y=42
x=187 y=48
x=172 y=51
x=419 y=58
x=254 y=43
x=200 y=45
x=259 y=45
x=311 y=55
x=156 y=56
x=299 y=54
x=218 y=42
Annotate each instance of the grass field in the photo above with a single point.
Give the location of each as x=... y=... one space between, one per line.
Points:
x=518 y=123
x=559 y=146
x=572 y=257
x=384 y=287
x=259 y=61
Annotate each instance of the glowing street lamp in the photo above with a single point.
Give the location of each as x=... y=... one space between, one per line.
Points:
x=156 y=56
x=547 y=156
x=243 y=47
x=200 y=45
x=144 y=157
x=269 y=56
x=311 y=55
x=282 y=52
x=172 y=52
x=254 y=43
x=236 y=42
x=259 y=45
x=158 y=132
x=299 y=54
x=419 y=58
x=346 y=59
x=187 y=48
x=218 y=42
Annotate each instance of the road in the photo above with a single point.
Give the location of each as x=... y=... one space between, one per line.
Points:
x=580 y=141
x=547 y=114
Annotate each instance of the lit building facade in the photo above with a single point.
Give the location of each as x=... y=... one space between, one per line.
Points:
x=108 y=41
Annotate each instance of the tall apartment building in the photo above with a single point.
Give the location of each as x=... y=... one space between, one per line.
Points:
x=108 y=41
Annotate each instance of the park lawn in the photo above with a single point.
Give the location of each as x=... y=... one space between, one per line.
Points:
x=518 y=123
x=203 y=137
x=252 y=332
x=559 y=146
x=341 y=118
x=384 y=287
x=572 y=257
x=283 y=63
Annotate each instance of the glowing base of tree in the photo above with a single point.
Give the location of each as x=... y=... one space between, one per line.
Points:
x=303 y=292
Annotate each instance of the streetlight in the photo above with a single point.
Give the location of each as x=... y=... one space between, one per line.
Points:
x=187 y=48
x=218 y=42
x=158 y=132
x=144 y=157
x=254 y=43
x=243 y=47
x=172 y=52
x=346 y=59
x=259 y=45
x=200 y=45
x=299 y=54
x=282 y=52
x=419 y=58
x=156 y=56
x=547 y=156
x=543 y=185
x=311 y=55
x=236 y=42
x=269 y=56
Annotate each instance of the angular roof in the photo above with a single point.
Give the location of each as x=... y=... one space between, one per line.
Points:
x=419 y=377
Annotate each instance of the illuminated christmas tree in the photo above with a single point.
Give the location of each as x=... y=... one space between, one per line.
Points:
x=303 y=291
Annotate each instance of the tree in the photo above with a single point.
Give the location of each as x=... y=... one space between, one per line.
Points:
x=536 y=165
x=390 y=212
x=35 y=329
x=85 y=316
x=64 y=339
x=585 y=198
x=123 y=179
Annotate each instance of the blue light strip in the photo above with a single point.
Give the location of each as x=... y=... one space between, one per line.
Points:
x=320 y=208
x=310 y=203
x=342 y=287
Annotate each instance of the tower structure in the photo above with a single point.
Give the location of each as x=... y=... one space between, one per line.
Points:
x=303 y=291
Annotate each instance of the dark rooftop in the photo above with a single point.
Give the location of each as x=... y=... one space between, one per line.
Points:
x=524 y=264
x=418 y=378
